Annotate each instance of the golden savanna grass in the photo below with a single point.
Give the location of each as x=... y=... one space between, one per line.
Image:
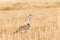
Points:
x=27 y=5
x=44 y=23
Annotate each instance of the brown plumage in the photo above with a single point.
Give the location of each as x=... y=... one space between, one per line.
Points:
x=24 y=27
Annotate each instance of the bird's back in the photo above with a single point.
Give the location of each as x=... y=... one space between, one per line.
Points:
x=22 y=28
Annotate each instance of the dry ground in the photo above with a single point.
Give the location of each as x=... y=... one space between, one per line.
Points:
x=45 y=24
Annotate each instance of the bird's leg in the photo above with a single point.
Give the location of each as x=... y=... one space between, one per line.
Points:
x=15 y=32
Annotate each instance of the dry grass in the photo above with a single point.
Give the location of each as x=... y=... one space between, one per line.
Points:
x=44 y=24
x=27 y=5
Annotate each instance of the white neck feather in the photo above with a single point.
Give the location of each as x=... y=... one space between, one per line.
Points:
x=29 y=18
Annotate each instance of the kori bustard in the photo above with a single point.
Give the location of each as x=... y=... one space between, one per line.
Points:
x=26 y=26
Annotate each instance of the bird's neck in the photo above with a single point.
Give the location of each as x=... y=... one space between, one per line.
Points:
x=28 y=25
x=29 y=18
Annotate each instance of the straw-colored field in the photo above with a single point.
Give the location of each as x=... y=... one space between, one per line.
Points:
x=27 y=5
x=44 y=24
x=45 y=21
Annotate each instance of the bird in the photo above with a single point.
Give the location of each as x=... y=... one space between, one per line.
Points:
x=26 y=26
